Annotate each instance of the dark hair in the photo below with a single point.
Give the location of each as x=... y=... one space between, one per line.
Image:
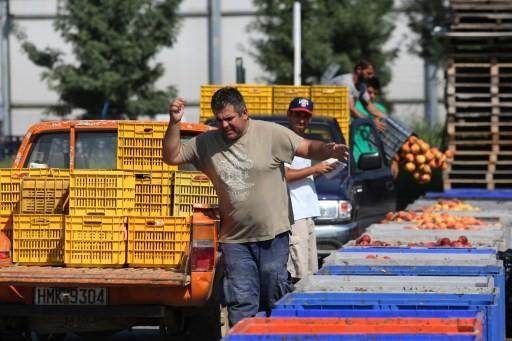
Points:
x=374 y=83
x=225 y=96
x=363 y=64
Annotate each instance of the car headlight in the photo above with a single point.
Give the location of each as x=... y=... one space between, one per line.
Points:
x=334 y=209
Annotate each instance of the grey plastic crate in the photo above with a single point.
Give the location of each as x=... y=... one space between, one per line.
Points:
x=484 y=205
x=394 y=136
x=410 y=259
x=403 y=238
x=398 y=284
x=495 y=231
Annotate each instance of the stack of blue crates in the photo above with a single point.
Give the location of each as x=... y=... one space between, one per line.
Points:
x=324 y=301
x=409 y=281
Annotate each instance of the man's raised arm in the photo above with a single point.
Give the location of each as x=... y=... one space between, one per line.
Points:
x=172 y=140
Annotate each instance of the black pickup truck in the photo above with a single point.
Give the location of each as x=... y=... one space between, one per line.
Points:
x=355 y=197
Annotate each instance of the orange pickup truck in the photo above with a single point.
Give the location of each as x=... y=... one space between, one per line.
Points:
x=52 y=300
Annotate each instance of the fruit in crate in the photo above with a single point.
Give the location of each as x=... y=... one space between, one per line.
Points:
x=417 y=157
x=453 y=205
x=430 y=220
x=462 y=241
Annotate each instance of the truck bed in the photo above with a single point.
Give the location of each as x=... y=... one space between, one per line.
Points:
x=61 y=276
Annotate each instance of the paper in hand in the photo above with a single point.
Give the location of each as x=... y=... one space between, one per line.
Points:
x=338 y=167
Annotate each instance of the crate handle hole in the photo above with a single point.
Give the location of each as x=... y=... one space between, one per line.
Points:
x=155 y=223
x=94 y=223
x=200 y=178
x=40 y=221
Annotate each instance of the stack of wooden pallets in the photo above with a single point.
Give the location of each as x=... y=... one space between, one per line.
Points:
x=479 y=94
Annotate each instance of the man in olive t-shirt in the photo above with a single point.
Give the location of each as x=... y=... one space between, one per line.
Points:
x=245 y=161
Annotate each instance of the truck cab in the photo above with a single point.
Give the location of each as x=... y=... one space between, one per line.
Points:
x=54 y=299
x=351 y=197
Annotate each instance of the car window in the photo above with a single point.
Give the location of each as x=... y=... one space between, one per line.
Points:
x=364 y=141
x=49 y=150
x=96 y=150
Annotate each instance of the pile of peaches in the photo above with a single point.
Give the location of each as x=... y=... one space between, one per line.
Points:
x=429 y=220
x=417 y=157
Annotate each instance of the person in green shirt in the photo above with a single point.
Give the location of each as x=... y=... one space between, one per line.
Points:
x=361 y=142
x=373 y=89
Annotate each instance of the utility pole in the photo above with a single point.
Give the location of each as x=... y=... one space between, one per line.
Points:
x=297 y=61
x=214 y=42
x=5 y=73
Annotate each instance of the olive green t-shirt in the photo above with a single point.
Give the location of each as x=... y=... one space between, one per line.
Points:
x=248 y=175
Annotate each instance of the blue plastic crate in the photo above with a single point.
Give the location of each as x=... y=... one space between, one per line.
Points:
x=472 y=193
x=497 y=272
x=407 y=249
x=486 y=304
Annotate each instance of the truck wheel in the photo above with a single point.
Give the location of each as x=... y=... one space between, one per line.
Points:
x=203 y=324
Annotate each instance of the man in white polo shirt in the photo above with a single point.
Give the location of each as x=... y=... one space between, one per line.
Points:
x=301 y=184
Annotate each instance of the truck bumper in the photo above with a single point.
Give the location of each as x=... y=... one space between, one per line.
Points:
x=149 y=311
x=331 y=237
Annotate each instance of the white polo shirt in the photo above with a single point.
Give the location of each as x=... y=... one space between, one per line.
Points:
x=303 y=192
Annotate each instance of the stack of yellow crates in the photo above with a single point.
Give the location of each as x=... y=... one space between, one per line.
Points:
x=331 y=101
x=36 y=198
x=99 y=202
x=138 y=214
x=158 y=227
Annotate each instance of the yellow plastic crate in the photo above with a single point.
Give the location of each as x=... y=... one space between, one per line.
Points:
x=94 y=192
x=139 y=147
x=157 y=242
x=92 y=241
x=189 y=188
x=333 y=101
x=153 y=194
x=6 y=225
x=38 y=239
x=205 y=108
x=10 y=183
x=283 y=95
x=258 y=98
x=44 y=195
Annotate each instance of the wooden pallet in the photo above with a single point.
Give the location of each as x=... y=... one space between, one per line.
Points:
x=462 y=129
x=481 y=15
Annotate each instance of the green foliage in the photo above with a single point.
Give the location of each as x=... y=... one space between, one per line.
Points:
x=113 y=44
x=432 y=135
x=424 y=16
x=333 y=32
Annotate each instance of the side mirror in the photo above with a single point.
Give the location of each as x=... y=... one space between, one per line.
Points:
x=369 y=161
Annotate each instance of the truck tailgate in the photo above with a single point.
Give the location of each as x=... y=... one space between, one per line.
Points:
x=60 y=276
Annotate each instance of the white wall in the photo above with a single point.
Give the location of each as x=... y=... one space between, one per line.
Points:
x=186 y=64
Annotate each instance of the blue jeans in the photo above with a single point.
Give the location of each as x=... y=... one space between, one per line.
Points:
x=255 y=276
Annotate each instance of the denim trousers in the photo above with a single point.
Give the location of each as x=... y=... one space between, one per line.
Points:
x=255 y=276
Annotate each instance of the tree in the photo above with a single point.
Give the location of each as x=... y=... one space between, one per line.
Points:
x=333 y=32
x=114 y=44
x=424 y=17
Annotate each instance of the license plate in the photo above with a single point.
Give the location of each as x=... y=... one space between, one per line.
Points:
x=70 y=296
